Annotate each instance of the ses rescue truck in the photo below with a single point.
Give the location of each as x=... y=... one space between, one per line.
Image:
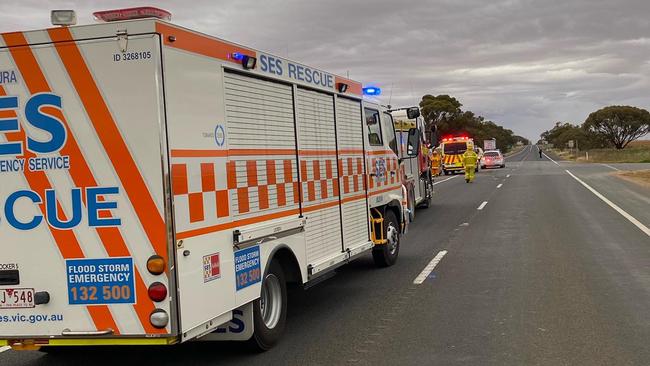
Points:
x=417 y=170
x=159 y=185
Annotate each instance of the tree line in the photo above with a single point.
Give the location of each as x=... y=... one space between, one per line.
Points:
x=444 y=117
x=609 y=127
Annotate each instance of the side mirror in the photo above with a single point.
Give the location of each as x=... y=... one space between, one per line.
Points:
x=413 y=146
x=413 y=112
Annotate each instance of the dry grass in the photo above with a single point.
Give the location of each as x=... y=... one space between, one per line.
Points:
x=636 y=152
x=637 y=176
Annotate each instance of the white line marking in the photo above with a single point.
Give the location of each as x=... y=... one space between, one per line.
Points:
x=611 y=167
x=482 y=205
x=508 y=176
x=429 y=268
x=549 y=158
x=5 y=348
x=442 y=181
x=500 y=185
x=630 y=218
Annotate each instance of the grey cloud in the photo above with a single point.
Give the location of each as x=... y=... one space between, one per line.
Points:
x=522 y=63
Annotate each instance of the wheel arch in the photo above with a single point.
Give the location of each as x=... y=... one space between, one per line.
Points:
x=288 y=261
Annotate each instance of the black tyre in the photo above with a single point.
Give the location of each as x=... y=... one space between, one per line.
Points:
x=444 y=172
x=270 y=310
x=428 y=192
x=385 y=255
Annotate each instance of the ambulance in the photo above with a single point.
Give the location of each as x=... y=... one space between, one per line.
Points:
x=159 y=185
x=453 y=149
x=416 y=170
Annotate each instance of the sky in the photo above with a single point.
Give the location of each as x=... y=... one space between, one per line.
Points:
x=524 y=64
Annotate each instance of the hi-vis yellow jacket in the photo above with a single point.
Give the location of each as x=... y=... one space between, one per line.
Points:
x=470 y=158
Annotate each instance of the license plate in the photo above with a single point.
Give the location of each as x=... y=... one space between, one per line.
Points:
x=16 y=298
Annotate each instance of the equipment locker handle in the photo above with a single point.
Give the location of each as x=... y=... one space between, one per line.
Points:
x=81 y=333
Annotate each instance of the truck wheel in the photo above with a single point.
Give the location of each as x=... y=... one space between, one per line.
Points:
x=385 y=255
x=270 y=310
x=444 y=172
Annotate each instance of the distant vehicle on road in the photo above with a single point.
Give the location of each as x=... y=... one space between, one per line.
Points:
x=453 y=149
x=490 y=144
x=493 y=158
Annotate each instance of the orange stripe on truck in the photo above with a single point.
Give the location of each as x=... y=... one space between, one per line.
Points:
x=82 y=176
x=199 y=43
x=65 y=239
x=111 y=139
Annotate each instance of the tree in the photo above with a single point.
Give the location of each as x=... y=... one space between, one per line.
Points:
x=619 y=125
x=443 y=112
x=438 y=110
x=561 y=133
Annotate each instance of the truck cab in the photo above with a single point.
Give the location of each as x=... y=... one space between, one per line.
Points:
x=417 y=176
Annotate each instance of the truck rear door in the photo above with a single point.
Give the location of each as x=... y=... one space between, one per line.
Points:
x=82 y=187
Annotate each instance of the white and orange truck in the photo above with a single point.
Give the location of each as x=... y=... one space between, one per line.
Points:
x=159 y=185
x=417 y=176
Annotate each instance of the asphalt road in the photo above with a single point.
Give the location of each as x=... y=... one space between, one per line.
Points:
x=546 y=273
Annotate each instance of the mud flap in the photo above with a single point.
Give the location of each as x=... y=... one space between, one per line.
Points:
x=405 y=211
x=240 y=328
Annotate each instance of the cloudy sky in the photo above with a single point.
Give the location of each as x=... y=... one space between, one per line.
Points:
x=522 y=63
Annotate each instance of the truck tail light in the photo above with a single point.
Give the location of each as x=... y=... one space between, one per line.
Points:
x=157 y=292
x=156 y=264
x=159 y=318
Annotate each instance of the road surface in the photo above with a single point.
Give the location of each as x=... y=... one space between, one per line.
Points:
x=553 y=269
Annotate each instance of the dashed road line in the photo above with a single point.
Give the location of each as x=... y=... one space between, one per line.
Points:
x=429 y=268
x=5 y=348
x=482 y=205
x=611 y=167
x=500 y=185
x=442 y=181
x=508 y=176
x=629 y=217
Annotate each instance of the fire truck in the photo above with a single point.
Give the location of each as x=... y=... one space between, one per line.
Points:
x=417 y=175
x=159 y=185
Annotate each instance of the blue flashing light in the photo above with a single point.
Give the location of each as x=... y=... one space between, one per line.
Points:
x=237 y=56
x=371 y=90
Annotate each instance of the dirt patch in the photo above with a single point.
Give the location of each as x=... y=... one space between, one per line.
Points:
x=641 y=177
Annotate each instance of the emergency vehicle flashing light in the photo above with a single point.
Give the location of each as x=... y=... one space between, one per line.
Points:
x=447 y=139
x=371 y=90
x=132 y=13
x=248 y=62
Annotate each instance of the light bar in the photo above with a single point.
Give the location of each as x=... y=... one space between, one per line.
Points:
x=371 y=90
x=63 y=17
x=132 y=13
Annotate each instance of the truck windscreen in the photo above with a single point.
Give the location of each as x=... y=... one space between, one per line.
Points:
x=455 y=148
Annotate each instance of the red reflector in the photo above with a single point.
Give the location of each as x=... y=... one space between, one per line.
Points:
x=157 y=292
x=132 y=13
